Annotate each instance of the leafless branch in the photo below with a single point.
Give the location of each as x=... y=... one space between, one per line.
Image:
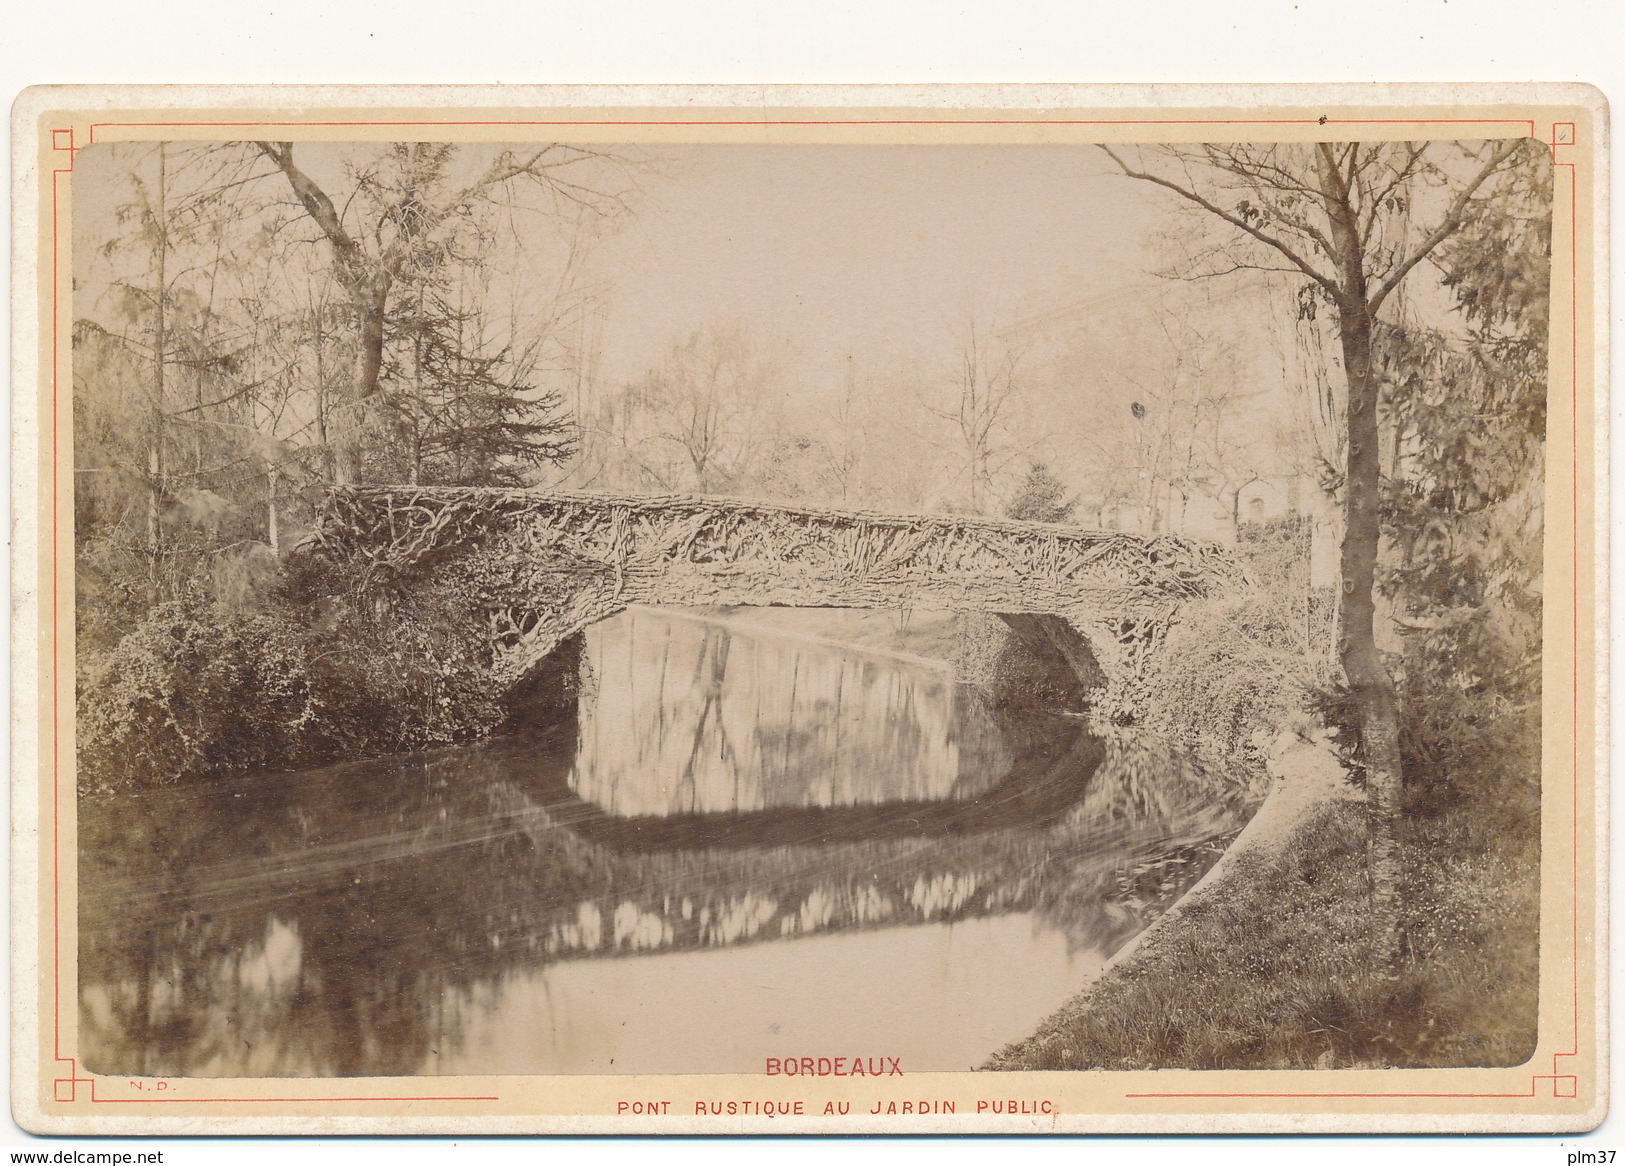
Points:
x=1241 y=224
x=1448 y=225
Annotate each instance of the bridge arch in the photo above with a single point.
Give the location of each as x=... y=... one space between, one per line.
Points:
x=1101 y=599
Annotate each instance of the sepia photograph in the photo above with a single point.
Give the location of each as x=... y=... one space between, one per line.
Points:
x=834 y=624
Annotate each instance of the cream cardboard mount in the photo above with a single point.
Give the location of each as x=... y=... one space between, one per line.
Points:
x=637 y=610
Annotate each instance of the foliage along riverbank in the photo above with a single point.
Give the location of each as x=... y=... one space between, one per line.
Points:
x=1270 y=967
x=311 y=661
x=307 y=663
x=1271 y=964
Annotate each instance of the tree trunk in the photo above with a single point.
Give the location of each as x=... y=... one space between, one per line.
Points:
x=271 y=532
x=370 y=301
x=329 y=468
x=155 y=450
x=1369 y=682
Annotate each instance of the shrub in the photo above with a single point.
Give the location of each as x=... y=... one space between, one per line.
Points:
x=193 y=688
x=416 y=645
x=1469 y=717
x=1041 y=497
x=1231 y=674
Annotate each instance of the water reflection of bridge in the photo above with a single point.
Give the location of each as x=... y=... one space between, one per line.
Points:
x=718 y=789
x=320 y=923
x=697 y=732
x=1047 y=775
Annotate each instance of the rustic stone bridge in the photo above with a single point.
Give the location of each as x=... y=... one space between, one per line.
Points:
x=1103 y=599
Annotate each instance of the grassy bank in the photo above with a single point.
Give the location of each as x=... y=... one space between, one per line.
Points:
x=1270 y=967
x=1275 y=964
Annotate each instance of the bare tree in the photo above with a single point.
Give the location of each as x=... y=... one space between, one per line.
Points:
x=695 y=421
x=1166 y=413
x=1351 y=221
x=984 y=385
x=846 y=434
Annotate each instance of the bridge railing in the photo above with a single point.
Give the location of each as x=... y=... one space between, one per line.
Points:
x=401 y=524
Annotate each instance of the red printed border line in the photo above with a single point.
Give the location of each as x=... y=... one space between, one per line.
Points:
x=1563 y=134
x=915 y=121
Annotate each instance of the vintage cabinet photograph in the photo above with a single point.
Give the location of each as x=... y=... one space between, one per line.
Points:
x=699 y=613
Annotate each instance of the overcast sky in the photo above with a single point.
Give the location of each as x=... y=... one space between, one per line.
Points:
x=833 y=249
x=865 y=250
x=835 y=257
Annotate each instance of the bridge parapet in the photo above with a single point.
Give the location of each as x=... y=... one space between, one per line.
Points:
x=1118 y=590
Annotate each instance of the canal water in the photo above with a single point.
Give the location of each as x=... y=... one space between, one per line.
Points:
x=747 y=844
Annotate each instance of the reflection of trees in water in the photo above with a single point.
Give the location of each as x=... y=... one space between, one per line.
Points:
x=694 y=717
x=347 y=921
x=1145 y=825
x=1161 y=820
x=390 y=882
